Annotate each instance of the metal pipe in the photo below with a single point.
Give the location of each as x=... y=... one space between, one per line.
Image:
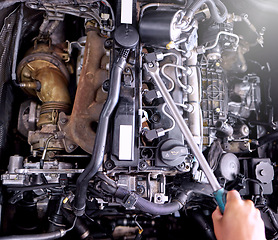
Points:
x=153 y=70
x=46 y=147
x=16 y=46
x=145 y=7
x=217 y=39
x=194 y=99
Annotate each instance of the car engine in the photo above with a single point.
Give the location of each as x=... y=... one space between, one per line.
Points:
x=89 y=148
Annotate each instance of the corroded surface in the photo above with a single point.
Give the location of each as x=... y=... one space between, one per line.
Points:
x=89 y=97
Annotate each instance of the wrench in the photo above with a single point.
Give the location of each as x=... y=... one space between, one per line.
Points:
x=218 y=192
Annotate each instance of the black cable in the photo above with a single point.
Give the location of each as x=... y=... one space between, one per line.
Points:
x=21 y=190
x=257 y=182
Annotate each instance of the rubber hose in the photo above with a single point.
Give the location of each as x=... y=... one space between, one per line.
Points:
x=101 y=135
x=217 y=4
x=153 y=208
x=121 y=193
x=213 y=7
x=199 y=217
x=157 y=209
x=268 y=138
x=41 y=236
x=272 y=218
x=108 y=188
x=80 y=227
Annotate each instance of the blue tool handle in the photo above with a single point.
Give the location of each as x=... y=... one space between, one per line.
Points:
x=220 y=197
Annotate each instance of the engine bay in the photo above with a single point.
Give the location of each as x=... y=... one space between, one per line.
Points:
x=89 y=148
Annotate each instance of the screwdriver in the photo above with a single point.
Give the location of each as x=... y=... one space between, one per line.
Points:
x=218 y=192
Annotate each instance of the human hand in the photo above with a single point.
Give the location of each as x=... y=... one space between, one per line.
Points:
x=240 y=220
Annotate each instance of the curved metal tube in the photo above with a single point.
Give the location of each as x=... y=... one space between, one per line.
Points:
x=218 y=37
x=149 y=5
x=101 y=135
x=16 y=46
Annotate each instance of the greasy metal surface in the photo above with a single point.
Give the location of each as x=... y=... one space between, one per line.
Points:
x=38 y=59
x=53 y=86
x=89 y=97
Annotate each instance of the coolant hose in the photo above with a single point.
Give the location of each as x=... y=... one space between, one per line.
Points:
x=101 y=134
x=146 y=206
x=150 y=207
x=158 y=209
x=268 y=138
x=272 y=218
x=41 y=236
x=213 y=5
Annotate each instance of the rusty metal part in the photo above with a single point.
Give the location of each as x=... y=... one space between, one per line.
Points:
x=37 y=139
x=42 y=73
x=50 y=112
x=89 y=97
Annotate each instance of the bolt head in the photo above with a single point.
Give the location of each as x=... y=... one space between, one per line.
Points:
x=63 y=120
x=150 y=65
x=71 y=147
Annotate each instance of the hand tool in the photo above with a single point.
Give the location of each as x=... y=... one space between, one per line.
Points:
x=218 y=192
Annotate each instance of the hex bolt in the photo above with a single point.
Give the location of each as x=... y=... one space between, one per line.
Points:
x=105 y=85
x=150 y=65
x=143 y=165
x=140 y=189
x=51 y=154
x=182 y=165
x=71 y=146
x=109 y=164
x=63 y=120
